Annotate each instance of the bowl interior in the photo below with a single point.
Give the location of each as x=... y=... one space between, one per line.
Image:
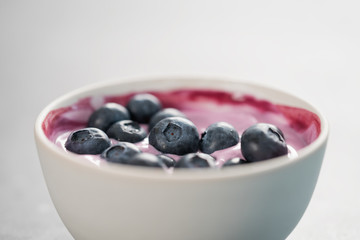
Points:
x=159 y=84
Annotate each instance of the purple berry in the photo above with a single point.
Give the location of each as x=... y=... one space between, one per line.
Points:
x=87 y=141
x=174 y=135
x=262 y=141
x=168 y=161
x=143 y=106
x=146 y=160
x=164 y=113
x=106 y=115
x=218 y=136
x=196 y=160
x=126 y=131
x=120 y=153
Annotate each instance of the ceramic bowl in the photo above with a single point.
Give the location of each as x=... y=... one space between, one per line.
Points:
x=263 y=200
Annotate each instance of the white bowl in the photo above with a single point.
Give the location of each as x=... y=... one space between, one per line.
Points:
x=263 y=200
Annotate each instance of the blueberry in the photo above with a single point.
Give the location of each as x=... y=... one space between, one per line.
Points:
x=218 y=136
x=175 y=135
x=262 y=141
x=168 y=161
x=87 y=141
x=146 y=160
x=120 y=153
x=127 y=131
x=108 y=114
x=143 y=106
x=195 y=160
x=234 y=161
x=164 y=113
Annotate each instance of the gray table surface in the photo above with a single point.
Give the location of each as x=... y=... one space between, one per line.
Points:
x=309 y=48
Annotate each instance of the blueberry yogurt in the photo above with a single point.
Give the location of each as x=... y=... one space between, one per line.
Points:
x=184 y=128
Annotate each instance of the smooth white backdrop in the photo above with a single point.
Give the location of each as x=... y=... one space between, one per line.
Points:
x=309 y=48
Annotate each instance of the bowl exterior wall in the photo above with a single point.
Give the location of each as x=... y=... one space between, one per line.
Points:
x=96 y=205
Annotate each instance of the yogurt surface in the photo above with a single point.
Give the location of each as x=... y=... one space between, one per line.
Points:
x=203 y=108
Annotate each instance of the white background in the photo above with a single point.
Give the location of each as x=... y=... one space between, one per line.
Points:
x=309 y=48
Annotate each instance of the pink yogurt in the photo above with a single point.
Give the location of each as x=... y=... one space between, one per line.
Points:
x=202 y=107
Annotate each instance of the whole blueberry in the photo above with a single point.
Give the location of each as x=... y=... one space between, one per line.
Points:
x=234 y=161
x=164 y=113
x=218 y=136
x=175 y=135
x=195 y=160
x=127 y=131
x=168 y=161
x=143 y=106
x=87 y=141
x=120 y=152
x=146 y=160
x=262 y=141
x=106 y=115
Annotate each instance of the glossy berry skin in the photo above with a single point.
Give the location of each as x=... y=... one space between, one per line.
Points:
x=146 y=160
x=106 y=115
x=87 y=141
x=168 y=161
x=218 y=136
x=164 y=113
x=127 y=131
x=120 y=153
x=196 y=160
x=262 y=141
x=174 y=135
x=143 y=106
x=234 y=161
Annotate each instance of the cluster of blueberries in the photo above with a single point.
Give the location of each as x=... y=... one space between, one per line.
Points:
x=170 y=132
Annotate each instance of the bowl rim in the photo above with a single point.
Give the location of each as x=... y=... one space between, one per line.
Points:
x=255 y=168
